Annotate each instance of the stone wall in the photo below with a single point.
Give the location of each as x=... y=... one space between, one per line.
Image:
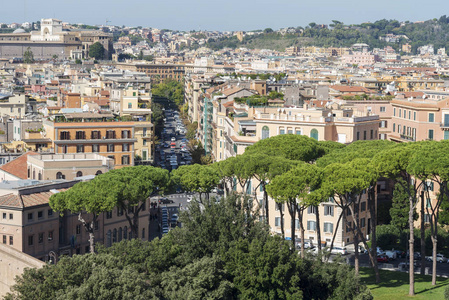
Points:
x=12 y=264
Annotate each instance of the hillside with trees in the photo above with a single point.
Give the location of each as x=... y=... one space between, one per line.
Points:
x=337 y=34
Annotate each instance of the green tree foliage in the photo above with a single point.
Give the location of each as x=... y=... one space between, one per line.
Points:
x=28 y=56
x=83 y=277
x=400 y=207
x=96 y=50
x=221 y=252
x=290 y=146
x=196 y=178
x=171 y=90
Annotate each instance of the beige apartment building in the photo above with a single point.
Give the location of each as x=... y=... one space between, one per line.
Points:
x=29 y=225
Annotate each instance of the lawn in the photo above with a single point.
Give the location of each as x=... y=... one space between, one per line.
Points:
x=394 y=285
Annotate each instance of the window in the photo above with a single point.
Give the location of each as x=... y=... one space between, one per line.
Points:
x=446 y=135
x=314 y=134
x=311 y=225
x=383 y=124
x=119 y=212
x=50 y=235
x=30 y=240
x=143 y=233
x=110 y=134
x=364 y=134
x=363 y=206
x=78 y=229
x=328 y=227
x=11 y=216
x=371 y=134
x=248 y=188
x=383 y=109
x=277 y=221
x=4 y=239
x=125 y=232
x=79 y=174
x=125 y=147
x=125 y=160
x=40 y=214
x=358 y=135
x=281 y=131
x=79 y=148
x=400 y=112
x=298 y=132
x=30 y=217
x=429 y=203
x=394 y=111
x=59 y=175
x=431 y=117
x=362 y=222
x=427 y=218
x=409 y=115
x=109 y=215
x=130 y=105
x=290 y=131
x=95 y=135
x=110 y=147
x=281 y=205
x=126 y=134
x=430 y=134
x=80 y=135
x=4 y=216
x=394 y=127
x=414 y=115
x=114 y=236
x=328 y=210
x=64 y=135
x=145 y=142
x=40 y=238
x=297 y=225
x=95 y=148
x=63 y=148
x=311 y=209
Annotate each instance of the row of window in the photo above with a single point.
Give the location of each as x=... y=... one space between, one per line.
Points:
x=95 y=148
x=115 y=235
x=311 y=225
x=403 y=113
x=94 y=135
x=40 y=238
x=11 y=216
x=11 y=239
x=372 y=135
x=40 y=215
x=350 y=224
x=266 y=132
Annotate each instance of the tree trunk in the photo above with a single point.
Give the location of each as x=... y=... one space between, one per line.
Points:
x=434 y=259
x=280 y=205
x=423 y=237
x=373 y=252
x=318 y=228
x=356 y=252
x=265 y=197
x=411 y=291
x=302 y=231
x=89 y=227
x=292 y=211
x=336 y=229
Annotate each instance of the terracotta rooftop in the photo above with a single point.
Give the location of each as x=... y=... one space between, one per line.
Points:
x=18 y=166
x=22 y=201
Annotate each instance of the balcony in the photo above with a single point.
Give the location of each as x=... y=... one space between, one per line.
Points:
x=444 y=126
x=408 y=138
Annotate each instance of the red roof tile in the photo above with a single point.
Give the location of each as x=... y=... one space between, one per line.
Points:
x=18 y=166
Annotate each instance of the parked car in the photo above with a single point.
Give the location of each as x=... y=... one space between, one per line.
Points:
x=440 y=258
x=165 y=201
x=391 y=254
x=382 y=259
x=339 y=250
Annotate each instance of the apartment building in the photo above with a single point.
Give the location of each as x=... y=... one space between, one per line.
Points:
x=32 y=227
x=157 y=72
x=93 y=133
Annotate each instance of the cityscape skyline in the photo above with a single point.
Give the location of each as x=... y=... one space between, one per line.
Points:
x=203 y=15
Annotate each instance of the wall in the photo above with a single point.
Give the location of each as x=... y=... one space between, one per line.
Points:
x=12 y=264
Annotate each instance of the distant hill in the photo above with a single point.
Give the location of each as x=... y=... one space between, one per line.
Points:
x=337 y=34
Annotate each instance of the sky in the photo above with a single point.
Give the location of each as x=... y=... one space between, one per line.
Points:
x=227 y=15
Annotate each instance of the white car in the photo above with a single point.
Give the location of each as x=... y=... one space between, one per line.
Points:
x=339 y=250
x=173 y=139
x=391 y=254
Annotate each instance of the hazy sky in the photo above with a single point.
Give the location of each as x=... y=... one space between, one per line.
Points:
x=220 y=15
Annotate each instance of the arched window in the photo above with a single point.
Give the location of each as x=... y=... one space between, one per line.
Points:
x=29 y=172
x=314 y=134
x=98 y=172
x=39 y=176
x=114 y=236
x=58 y=175
x=125 y=232
x=265 y=132
x=79 y=174
x=34 y=174
x=108 y=239
x=120 y=234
